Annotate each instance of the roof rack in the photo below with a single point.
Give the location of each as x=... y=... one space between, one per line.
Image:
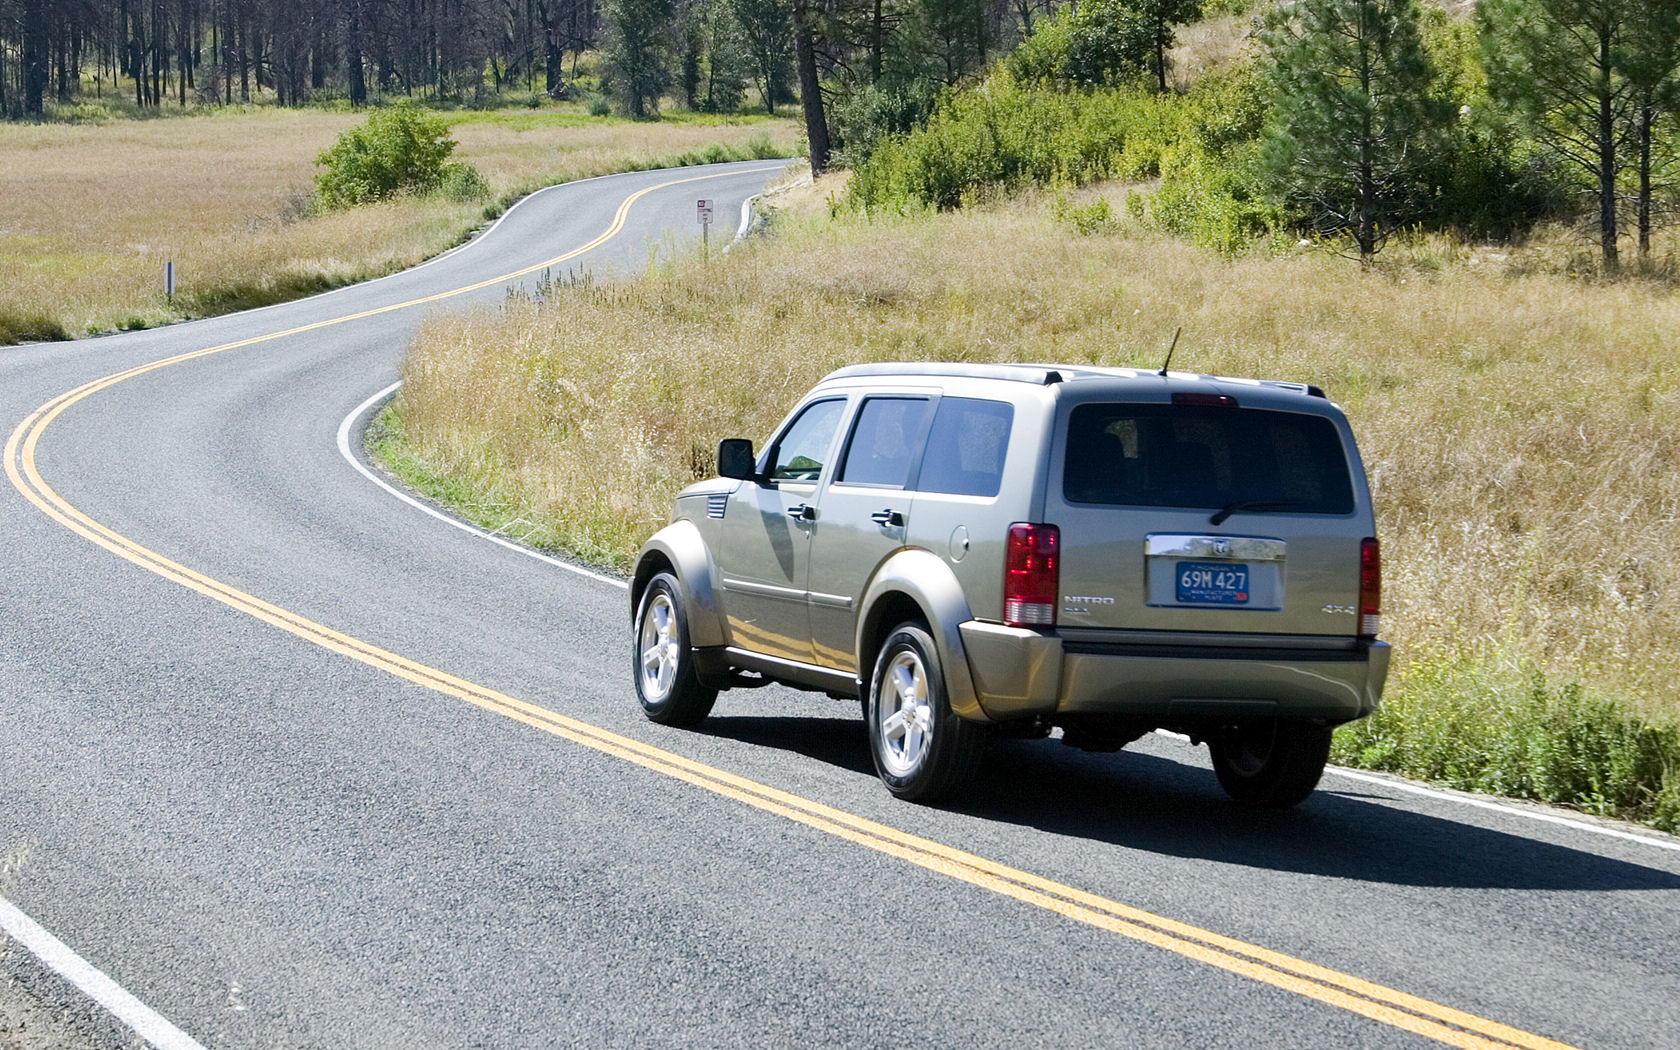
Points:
x=1038 y=375
x=1045 y=375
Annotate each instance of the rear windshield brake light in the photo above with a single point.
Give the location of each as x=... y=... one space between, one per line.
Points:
x=1207 y=400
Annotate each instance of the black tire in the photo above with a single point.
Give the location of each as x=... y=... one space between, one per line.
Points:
x=922 y=751
x=1270 y=763
x=661 y=662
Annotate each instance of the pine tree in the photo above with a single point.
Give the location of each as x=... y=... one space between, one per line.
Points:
x=1561 y=65
x=1351 y=114
x=1161 y=16
x=1652 y=61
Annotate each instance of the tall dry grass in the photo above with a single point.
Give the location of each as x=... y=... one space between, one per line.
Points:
x=93 y=211
x=1521 y=431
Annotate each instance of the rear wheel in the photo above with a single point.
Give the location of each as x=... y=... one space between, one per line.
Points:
x=922 y=750
x=1270 y=763
x=663 y=663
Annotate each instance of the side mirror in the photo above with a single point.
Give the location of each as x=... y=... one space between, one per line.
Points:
x=735 y=460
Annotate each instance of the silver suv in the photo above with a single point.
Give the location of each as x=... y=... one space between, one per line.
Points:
x=977 y=550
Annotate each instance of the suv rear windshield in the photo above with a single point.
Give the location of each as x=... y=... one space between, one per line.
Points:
x=1202 y=456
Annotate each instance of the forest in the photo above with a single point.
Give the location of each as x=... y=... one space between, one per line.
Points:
x=207 y=52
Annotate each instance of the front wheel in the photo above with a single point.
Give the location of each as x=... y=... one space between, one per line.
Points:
x=663 y=663
x=1270 y=764
x=922 y=750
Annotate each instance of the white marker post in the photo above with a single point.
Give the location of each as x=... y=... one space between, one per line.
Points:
x=169 y=280
x=704 y=208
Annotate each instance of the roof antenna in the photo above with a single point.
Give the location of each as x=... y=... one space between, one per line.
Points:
x=1170 y=350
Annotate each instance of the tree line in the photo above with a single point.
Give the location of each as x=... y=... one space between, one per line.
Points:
x=289 y=51
x=709 y=52
x=1594 y=85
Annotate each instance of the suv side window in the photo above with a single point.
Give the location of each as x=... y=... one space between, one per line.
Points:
x=803 y=448
x=884 y=439
x=966 y=447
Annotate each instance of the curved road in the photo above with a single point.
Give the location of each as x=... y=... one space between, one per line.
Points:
x=298 y=765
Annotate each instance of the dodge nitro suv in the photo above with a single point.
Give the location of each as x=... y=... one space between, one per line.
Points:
x=981 y=550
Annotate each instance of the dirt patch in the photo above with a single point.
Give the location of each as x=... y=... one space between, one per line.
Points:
x=798 y=195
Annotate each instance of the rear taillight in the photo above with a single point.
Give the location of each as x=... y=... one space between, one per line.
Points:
x=1370 y=588
x=1030 y=569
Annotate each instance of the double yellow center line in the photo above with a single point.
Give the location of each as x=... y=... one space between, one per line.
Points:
x=1374 y=1001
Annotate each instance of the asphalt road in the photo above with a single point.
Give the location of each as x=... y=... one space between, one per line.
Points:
x=299 y=765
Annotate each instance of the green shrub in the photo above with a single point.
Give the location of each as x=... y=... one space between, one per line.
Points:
x=1109 y=41
x=1478 y=181
x=1010 y=133
x=399 y=149
x=759 y=147
x=1214 y=202
x=865 y=116
x=1041 y=59
x=1004 y=136
x=1097 y=43
x=29 y=325
x=1227 y=108
x=1465 y=724
x=1085 y=219
x=462 y=182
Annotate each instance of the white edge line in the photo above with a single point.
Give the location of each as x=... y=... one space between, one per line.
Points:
x=1410 y=788
x=349 y=424
x=1499 y=807
x=147 y=1023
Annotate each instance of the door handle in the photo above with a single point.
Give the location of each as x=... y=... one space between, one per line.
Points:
x=802 y=512
x=888 y=518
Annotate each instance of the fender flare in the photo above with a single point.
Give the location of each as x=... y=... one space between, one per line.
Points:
x=924 y=579
x=680 y=547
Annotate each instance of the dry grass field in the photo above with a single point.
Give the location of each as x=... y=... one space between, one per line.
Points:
x=1521 y=427
x=93 y=211
x=1522 y=434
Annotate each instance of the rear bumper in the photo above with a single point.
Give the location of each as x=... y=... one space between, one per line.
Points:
x=1022 y=673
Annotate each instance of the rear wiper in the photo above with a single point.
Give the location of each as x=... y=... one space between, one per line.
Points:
x=1252 y=504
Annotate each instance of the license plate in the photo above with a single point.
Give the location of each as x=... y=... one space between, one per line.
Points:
x=1212 y=583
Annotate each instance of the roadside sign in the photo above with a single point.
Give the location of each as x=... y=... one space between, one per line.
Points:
x=704 y=208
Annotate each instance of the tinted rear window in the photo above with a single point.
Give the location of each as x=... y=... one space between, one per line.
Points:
x=966 y=447
x=1191 y=456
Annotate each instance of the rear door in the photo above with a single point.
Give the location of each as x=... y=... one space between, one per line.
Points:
x=1207 y=517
